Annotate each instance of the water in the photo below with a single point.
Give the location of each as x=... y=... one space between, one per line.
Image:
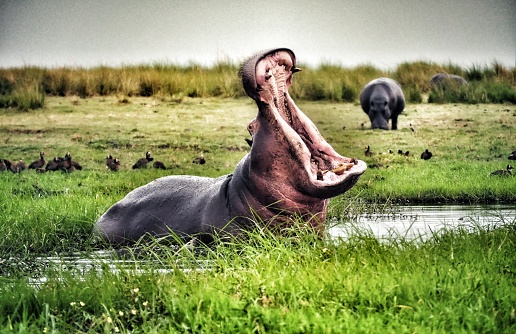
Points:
x=420 y=222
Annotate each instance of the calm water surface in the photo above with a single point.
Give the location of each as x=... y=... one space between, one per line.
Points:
x=419 y=222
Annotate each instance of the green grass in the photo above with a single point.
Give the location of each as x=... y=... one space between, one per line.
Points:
x=461 y=281
x=458 y=282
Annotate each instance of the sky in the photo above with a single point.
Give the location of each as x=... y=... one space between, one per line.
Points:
x=384 y=33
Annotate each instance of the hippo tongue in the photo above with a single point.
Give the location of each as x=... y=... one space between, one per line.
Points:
x=287 y=146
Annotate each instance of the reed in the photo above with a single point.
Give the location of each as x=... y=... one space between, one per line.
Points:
x=329 y=82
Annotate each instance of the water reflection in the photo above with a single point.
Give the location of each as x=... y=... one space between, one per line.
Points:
x=419 y=222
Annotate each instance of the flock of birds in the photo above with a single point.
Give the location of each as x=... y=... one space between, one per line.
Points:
x=67 y=164
x=427 y=155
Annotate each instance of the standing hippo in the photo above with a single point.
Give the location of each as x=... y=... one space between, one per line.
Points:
x=441 y=79
x=382 y=99
x=288 y=175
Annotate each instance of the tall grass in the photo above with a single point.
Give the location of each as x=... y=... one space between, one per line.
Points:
x=490 y=84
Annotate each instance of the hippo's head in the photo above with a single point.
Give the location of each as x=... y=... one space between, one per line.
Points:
x=288 y=154
x=379 y=110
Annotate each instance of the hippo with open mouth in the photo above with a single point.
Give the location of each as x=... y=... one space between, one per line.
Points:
x=288 y=175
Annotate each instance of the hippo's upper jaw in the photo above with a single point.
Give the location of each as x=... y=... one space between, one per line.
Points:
x=288 y=149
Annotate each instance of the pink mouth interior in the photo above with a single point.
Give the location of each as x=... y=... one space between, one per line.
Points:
x=325 y=166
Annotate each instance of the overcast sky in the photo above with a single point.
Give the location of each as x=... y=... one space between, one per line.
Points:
x=383 y=33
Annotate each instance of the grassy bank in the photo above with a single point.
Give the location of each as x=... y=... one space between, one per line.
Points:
x=458 y=282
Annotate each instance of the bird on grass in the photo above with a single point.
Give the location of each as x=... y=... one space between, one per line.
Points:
x=114 y=165
x=54 y=164
x=40 y=163
x=15 y=167
x=504 y=172
x=426 y=155
x=109 y=160
x=199 y=160
x=159 y=165
x=142 y=162
x=368 y=152
x=512 y=156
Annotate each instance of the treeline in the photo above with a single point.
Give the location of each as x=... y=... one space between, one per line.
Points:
x=26 y=88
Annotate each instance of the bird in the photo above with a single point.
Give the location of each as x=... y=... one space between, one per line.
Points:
x=109 y=160
x=159 y=165
x=142 y=162
x=426 y=155
x=368 y=152
x=74 y=164
x=18 y=167
x=54 y=164
x=407 y=154
x=114 y=165
x=503 y=172
x=512 y=156
x=199 y=160
x=69 y=164
x=38 y=163
x=411 y=127
x=400 y=152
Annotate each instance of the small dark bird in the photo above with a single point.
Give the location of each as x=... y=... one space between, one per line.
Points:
x=362 y=125
x=74 y=164
x=38 y=163
x=199 y=160
x=512 y=156
x=159 y=165
x=142 y=162
x=426 y=155
x=249 y=142
x=18 y=167
x=54 y=164
x=65 y=163
x=368 y=152
x=114 y=165
x=400 y=152
x=503 y=172
x=411 y=127
x=109 y=160
x=407 y=154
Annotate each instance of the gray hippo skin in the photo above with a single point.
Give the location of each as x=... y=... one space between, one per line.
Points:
x=442 y=78
x=290 y=172
x=382 y=99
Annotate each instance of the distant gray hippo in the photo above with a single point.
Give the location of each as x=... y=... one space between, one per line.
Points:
x=382 y=99
x=442 y=78
x=286 y=178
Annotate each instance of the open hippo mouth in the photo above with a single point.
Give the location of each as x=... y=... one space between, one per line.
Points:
x=286 y=143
